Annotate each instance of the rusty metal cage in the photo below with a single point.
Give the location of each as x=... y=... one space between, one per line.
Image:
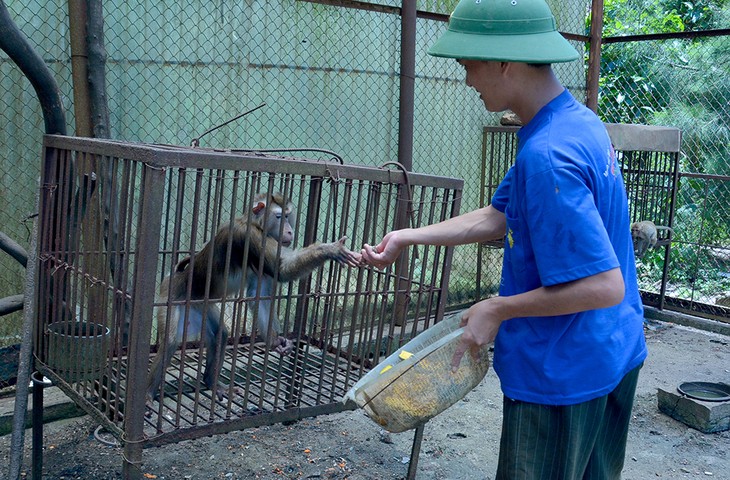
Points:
x=108 y=238
x=649 y=159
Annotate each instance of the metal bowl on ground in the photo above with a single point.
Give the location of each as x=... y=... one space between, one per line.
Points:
x=416 y=383
x=705 y=391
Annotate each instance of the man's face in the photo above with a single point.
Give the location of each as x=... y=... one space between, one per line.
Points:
x=487 y=78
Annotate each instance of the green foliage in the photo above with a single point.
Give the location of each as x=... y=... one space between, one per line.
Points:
x=627 y=95
x=683 y=83
x=633 y=17
x=649 y=270
x=699 y=271
x=629 y=92
x=701 y=15
x=640 y=83
x=703 y=115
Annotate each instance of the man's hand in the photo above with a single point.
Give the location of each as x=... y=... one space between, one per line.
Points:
x=481 y=325
x=384 y=253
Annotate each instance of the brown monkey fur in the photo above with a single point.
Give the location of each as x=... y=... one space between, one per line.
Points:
x=263 y=244
x=644 y=236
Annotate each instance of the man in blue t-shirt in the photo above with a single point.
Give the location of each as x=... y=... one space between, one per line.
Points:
x=567 y=326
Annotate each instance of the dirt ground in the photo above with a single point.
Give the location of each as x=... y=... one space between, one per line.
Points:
x=461 y=443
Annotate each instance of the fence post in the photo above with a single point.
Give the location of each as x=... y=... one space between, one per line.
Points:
x=594 y=55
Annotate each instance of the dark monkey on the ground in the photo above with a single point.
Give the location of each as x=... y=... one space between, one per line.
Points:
x=644 y=235
x=263 y=243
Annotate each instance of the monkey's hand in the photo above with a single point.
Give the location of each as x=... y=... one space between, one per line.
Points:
x=149 y=407
x=344 y=255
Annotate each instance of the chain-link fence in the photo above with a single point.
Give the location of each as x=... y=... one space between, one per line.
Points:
x=683 y=81
x=448 y=139
x=22 y=120
x=330 y=77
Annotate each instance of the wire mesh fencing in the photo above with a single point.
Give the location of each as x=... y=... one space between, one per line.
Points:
x=45 y=23
x=448 y=137
x=684 y=83
x=329 y=76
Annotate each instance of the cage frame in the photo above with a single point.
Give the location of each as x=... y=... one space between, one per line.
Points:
x=60 y=154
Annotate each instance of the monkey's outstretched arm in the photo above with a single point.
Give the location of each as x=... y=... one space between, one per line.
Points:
x=285 y=264
x=298 y=263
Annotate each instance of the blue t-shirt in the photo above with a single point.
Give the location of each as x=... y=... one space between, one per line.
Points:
x=567 y=218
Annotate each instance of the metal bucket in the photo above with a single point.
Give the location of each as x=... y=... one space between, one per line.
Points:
x=77 y=350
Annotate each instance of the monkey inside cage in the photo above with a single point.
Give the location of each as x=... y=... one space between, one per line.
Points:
x=184 y=292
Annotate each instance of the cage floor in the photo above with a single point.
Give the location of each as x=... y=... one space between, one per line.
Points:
x=261 y=383
x=266 y=388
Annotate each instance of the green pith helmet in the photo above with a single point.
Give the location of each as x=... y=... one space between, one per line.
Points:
x=504 y=30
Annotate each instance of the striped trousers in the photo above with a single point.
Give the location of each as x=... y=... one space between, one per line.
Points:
x=586 y=441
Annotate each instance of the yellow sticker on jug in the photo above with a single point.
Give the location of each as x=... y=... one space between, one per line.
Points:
x=405 y=355
x=386 y=368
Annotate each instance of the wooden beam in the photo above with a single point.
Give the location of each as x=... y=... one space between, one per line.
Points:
x=594 y=55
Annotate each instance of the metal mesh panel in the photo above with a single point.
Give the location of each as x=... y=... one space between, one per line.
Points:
x=684 y=83
x=649 y=159
x=176 y=68
x=699 y=279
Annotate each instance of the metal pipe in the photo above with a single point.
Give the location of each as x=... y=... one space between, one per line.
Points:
x=96 y=65
x=153 y=186
x=405 y=142
x=39 y=384
x=77 y=19
x=16 y=45
x=719 y=32
x=25 y=364
x=415 y=452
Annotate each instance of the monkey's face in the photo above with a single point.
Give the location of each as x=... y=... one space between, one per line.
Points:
x=275 y=211
x=279 y=227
